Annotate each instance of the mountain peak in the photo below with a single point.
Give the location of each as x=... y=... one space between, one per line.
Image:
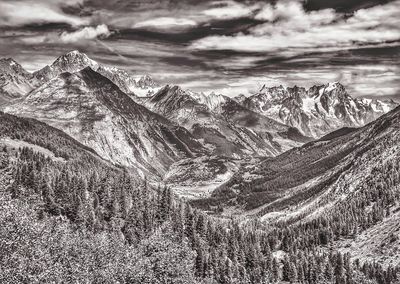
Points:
x=10 y=66
x=8 y=60
x=75 y=53
x=74 y=57
x=333 y=85
x=267 y=89
x=146 y=81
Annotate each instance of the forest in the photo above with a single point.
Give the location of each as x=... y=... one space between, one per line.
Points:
x=82 y=220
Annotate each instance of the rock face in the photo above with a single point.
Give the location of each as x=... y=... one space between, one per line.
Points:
x=226 y=127
x=318 y=110
x=15 y=81
x=93 y=110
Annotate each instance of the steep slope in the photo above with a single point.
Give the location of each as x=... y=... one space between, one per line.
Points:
x=75 y=61
x=93 y=110
x=18 y=133
x=226 y=127
x=306 y=181
x=15 y=81
x=316 y=111
x=380 y=243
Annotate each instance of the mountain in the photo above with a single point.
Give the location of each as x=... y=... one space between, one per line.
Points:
x=94 y=111
x=75 y=61
x=15 y=81
x=226 y=128
x=145 y=87
x=63 y=210
x=307 y=180
x=318 y=110
x=73 y=208
x=18 y=132
x=347 y=182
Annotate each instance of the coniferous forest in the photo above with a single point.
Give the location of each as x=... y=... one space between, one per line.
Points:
x=75 y=218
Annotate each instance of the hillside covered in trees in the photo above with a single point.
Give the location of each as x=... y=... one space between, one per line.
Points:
x=69 y=216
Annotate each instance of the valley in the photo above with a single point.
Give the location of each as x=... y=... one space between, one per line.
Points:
x=282 y=186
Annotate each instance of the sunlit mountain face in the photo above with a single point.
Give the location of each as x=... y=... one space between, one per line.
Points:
x=229 y=47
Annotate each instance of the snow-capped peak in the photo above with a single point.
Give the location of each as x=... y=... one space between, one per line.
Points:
x=146 y=81
x=74 y=52
x=10 y=66
x=331 y=86
x=212 y=100
x=75 y=57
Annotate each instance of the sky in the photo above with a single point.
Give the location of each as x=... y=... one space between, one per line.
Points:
x=230 y=47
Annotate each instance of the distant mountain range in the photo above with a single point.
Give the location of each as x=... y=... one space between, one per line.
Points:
x=140 y=124
x=318 y=110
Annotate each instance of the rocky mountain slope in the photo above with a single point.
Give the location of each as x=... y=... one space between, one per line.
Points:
x=63 y=210
x=305 y=180
x=75 y=61
x=347 y=182
x=15 y=81
x=228 y=128
x=93 y=110
x=318 y=110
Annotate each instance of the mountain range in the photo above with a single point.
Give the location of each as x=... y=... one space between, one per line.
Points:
x=305 y=176
x=140 y=124
x=93 y=110
x=334 y=166
x=318 y=110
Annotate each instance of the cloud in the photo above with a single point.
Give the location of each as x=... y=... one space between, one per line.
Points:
x=229 y=10
x=290 y=30
x=86 y=33
x=165 y=23
x=18 y=13
x=289 y=14
x=228 y=46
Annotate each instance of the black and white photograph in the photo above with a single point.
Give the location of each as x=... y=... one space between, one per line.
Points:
x=200 y=141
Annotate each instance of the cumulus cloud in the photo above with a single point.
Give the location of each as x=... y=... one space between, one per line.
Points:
x=291 y=16
x=86 y=33
x=165 y=23
x=17 y=13
x=291 y=30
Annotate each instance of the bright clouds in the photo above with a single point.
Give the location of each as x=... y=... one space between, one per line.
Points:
x=17 y=13
x=229 y=10
x=291 y=30
x=165 y=23
x=86 y=33
x=228 y=46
